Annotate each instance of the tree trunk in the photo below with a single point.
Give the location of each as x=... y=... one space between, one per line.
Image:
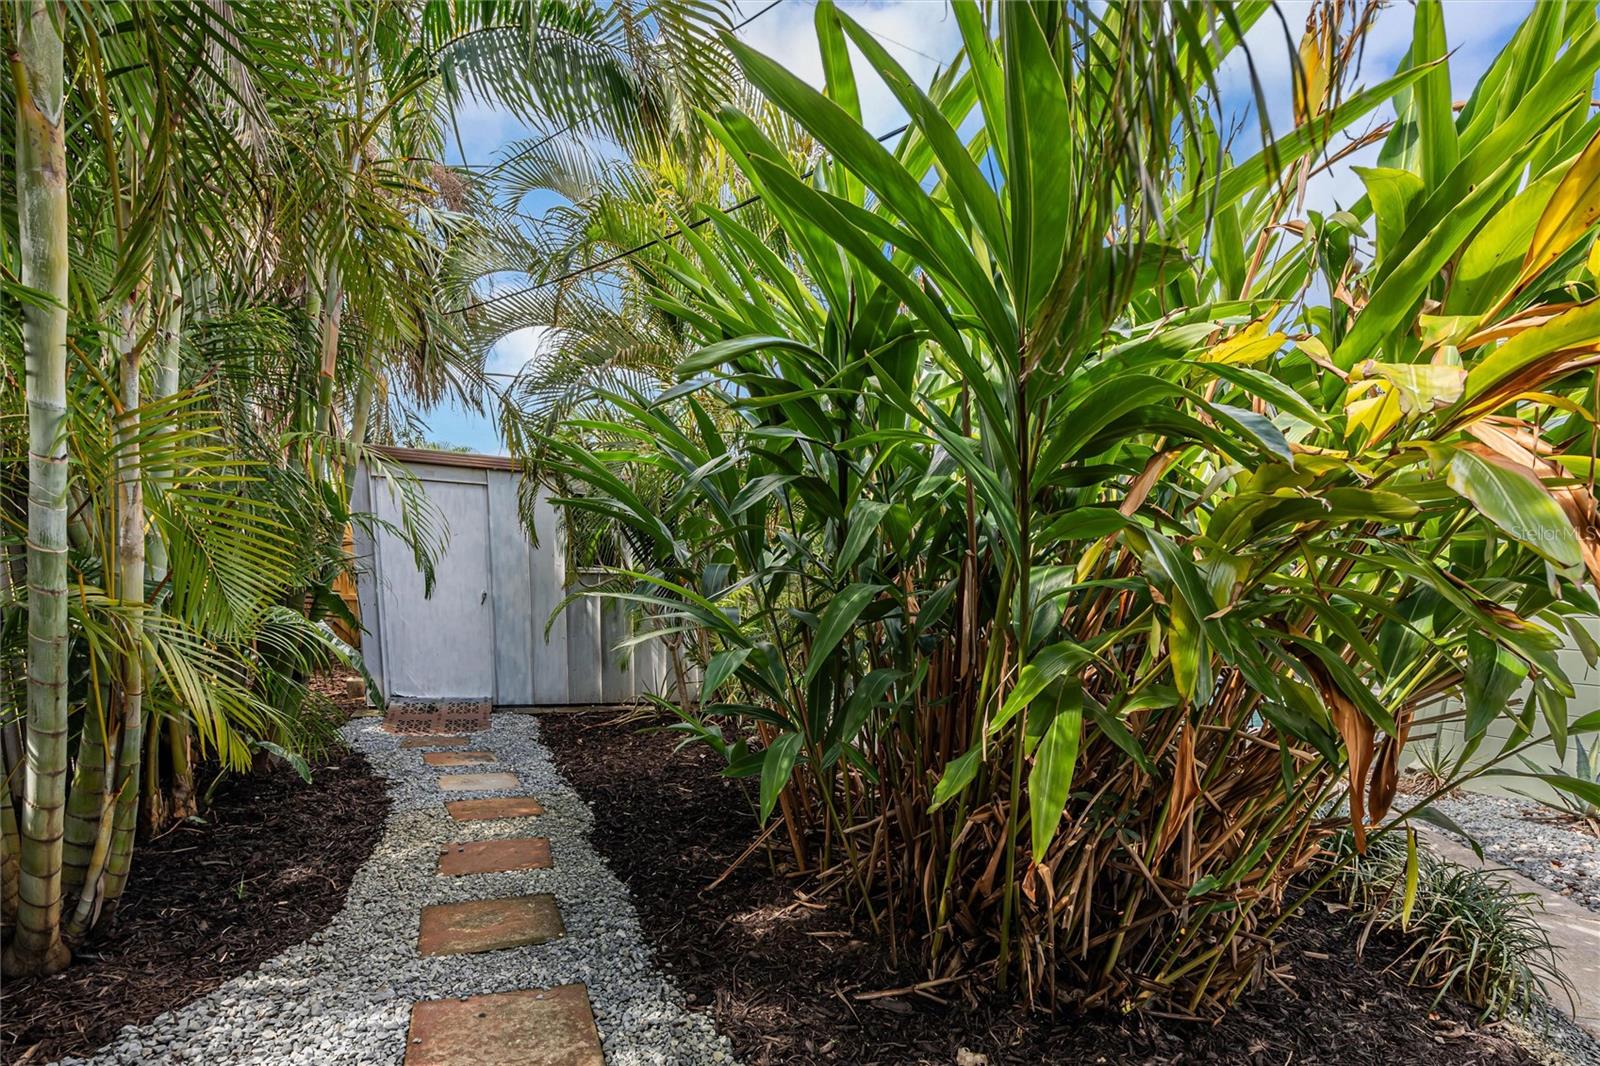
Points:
x=130 y=588
x=112 y=849
x=332 y=309
x=42 y=229
x=165 y=807
x=90 y=779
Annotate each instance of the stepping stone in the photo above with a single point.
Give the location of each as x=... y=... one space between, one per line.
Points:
x=479 y=809
x=478 y=782
x=495 y=856
x=433 y=741
x=533 y=1027
x=489 y=925
x=458 y=758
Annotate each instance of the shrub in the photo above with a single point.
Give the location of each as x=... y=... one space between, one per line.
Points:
x=1064 y=520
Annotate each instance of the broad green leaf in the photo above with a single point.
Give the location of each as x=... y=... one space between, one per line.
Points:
x=1239 y=181
x=1437 y=230
x=958 y=774
x=1111 y=724
x=776 y=766
x=1437 y=146
x=948 y=252
x=977 y=197
x=1490 y=262
x=1491 y=678
x=722 y=666
x=1257 y=427
x=1039 y=128
x=835 y=621
x=863 y=524
x=1264 y=385
x=1392 y=192
x=1517 y=504
x=1050 y=663
x=836 y=70
x=715 y=355
x=1050 y=780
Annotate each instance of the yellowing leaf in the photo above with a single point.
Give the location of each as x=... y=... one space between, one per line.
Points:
x=1444 y=329
x=1250 y=345
x=1375 y=414
x=1311 y=83
x=1594 y=259
x=1408 y=899
x=1420 y=387
x=1573 y=207
x=1572 y=332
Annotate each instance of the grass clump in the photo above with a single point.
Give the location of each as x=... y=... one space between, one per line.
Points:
x=1465 y=931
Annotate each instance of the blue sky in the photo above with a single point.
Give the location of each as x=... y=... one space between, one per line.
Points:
x=922 y=35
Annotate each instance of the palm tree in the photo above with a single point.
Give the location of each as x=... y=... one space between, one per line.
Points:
x=258 y=226
x=42 y=238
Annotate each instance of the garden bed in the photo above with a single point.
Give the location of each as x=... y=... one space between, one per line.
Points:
x=784 y=980
x=207 y=902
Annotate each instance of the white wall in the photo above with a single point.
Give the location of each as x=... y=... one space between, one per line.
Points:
x=483 y=631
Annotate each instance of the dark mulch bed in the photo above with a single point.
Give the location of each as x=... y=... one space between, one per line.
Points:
x=205 y=903
x=781 y=980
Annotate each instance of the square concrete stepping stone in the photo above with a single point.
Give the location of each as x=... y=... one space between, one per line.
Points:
x=495 y=856
x=478 y=782
x=489 y=925
x=458 y=758
x=534 y=1027
x=477 y=810
x=434 y=740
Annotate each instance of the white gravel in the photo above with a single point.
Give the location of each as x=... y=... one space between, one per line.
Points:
x=1531 y=840
x=345 y=995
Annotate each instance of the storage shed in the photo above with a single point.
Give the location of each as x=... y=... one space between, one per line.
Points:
x=481 y=633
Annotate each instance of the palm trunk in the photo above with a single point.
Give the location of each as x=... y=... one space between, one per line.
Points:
x=332 y=305
x=130 y=587
x=166 y=807
x=90 y=778
x=112 y=848
x=42 y=228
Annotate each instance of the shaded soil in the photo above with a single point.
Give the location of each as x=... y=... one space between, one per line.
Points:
x=782 y=978
x=207 y=902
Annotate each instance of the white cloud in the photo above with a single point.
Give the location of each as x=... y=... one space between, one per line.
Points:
x=517 y=349
x=1476 y=32
x=921 y=35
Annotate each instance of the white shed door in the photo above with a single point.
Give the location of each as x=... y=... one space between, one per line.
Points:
x=443 y=646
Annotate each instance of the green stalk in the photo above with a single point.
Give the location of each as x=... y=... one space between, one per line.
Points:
x=131 y=590
x=1023 y=623
x=89 y=781
x=328 y=344
x=180 y=804
x=41 y=183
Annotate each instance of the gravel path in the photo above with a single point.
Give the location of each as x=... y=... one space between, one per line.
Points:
x=345 y=995
x=1563 y=859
